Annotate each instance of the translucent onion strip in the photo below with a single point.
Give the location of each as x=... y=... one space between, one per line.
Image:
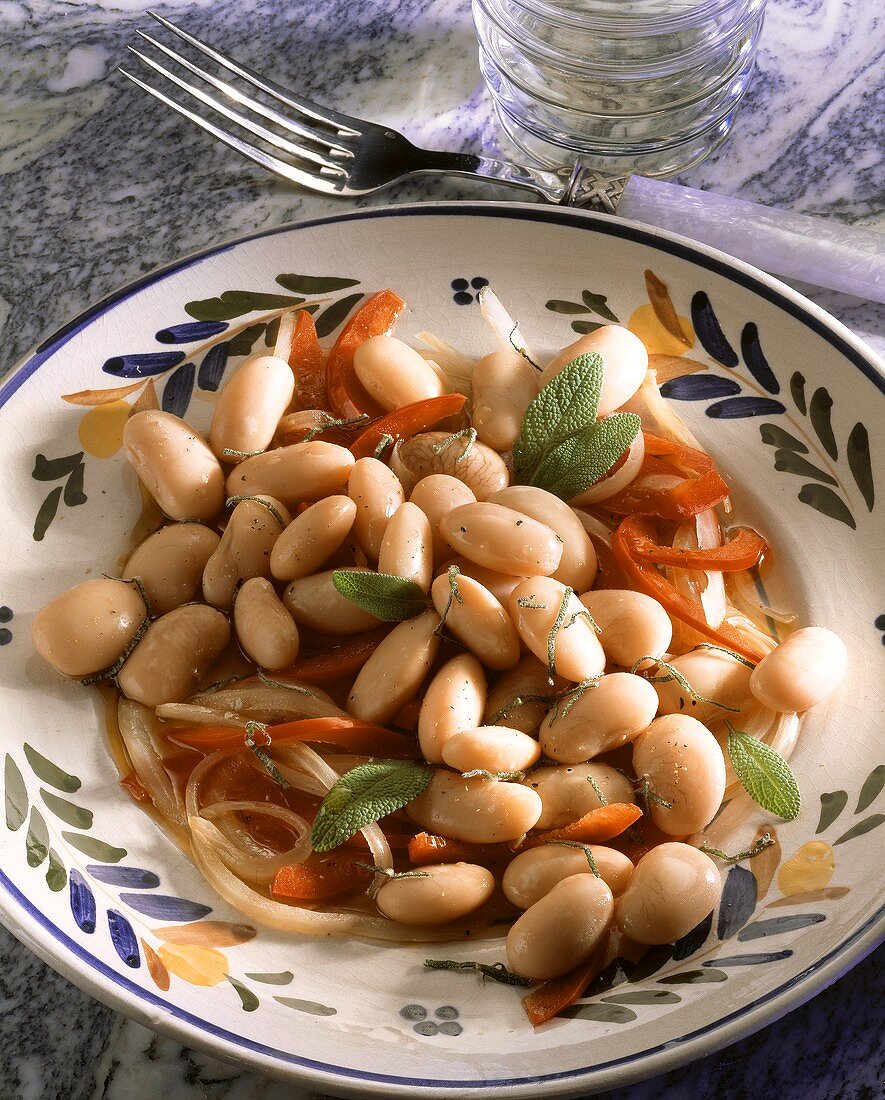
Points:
x=745 y=596
x=253 y=701
x=502 y=325
x=145 y=745
x=619 y=480
x=708 y=588
x=245 y=856
x=457 y=366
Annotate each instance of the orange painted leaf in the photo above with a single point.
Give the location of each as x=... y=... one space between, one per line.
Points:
x=662 y=304
x=206 y=933
x=101 y=397
x=194 y=964
x=147 y=399
x=668 y=367
x=155 y=966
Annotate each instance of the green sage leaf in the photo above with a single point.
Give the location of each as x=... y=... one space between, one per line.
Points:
x=392 y=599
x=764 y=774
x=582 y=460
x=364 y=795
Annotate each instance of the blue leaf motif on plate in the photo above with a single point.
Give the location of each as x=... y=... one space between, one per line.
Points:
x=756 y=362
x=699 y=387
x=736 y=408
x=212 y=368
x=82 y=902
x=166 y=907
x=123 y=939
x=738 y=902
x=142 y=366
x=694 y=939
x=776 y=926
x=130 y=878
x=750 y=960
x=709 y=331
x=178 y=389
x=190 y=332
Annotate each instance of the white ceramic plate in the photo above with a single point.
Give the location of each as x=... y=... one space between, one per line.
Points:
x=790 y=403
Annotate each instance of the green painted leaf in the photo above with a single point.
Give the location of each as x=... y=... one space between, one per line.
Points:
x=392 y=599
x=776 y=436
x=56 y=875
x=247 y=998
x=37 y=840
x=797 y=390
x=50 y=773
x=333 y=315
x=284 y=977
x=596 y=303
x=694 y=977
x=829 y=503
x=764 y=774
x=236 y=303
x=558 y=305
x=581 y=461
x=583 y=327
x=862 y=827
x=54 y=469
x=73 y=494
x=792 y=463
x=565 y=407
x=313 y=1007
x=271 y=333
x=95 y=849
x=869 y=792
x=16 y=795
x=858 y=452
x=314 y=284
x=243 y=342
x=46 y=514
x=820 y=409
x=644 y=997
x=603 y=1014
x=364 y=795
x=70 y=814
x=831 y=805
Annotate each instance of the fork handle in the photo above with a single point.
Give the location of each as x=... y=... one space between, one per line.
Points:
x=552 y=186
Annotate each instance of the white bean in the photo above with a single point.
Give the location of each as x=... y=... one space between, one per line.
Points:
x=491 y=749
x=377 y=493
x=711 y=673
x=481 y=469
x=673 y=888
x=265 y=629
x=534 y=873
x=453 y=701
x=312 y=538
x=315 y=602
x=245 y=548
x=535 y=606
x=436 y=495
x=604 y=717
x=407 y=546
x=527 y=686
x=395 y=374
x=170 y=563
x=625 y=358
x=566 y=794
x=437 y=894
x=504 y=384
x=480 y=811
x=477 y=620
x=502 y=540
x=802 y=671
x=393 y=674
x=299 y=472
x=633 y=624
x=499 y=584
x=250 y=406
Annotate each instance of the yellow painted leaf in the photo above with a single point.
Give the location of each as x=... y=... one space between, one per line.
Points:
x=667 y=367
x=646 y=324
x=147 y=399
x=811 y=868
x=101 y=429
x=155 y=966
x=206 y=933
x=194 y=964
x=101 y=397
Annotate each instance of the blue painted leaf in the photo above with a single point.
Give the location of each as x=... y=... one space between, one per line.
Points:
x=46 y=514
x=862 y=827
x=314 y=284
x=694 y=939
x=335 y=314
x=123 y=939
x=775 y=436
x=756 y=362
x=832 y=803
x=284 y=977
x=191 y=332
x=737 y=408
x=247 y=998
x=94 y=848
x=178 y=389
x=699 y=387
x=750 y=960
x=82 y=903
x=313 y=1007
x=37 y=839
x=165 y=907
x=858 y=451
x=871 y=788
x=16 y=795
x=65 y=811
x=797 y=392
x=709 y=332
x=651 y=962
x=644 y=997
x=824 y=500
x=142 y=366
x=235 y=303
x=694 y=977
x=776 y=926
x=131 y=878
x=56 y=875
x=54 y=469
x=603 y=1014
x=791 y=463
x=212 y=367
x=820 y=410
x=738 y=902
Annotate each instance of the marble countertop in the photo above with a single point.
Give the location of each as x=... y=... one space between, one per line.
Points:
x=99 y=185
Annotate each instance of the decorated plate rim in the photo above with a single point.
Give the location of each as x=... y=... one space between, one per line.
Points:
x=42 y=935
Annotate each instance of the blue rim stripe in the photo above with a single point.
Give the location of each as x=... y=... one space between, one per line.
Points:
x=541 y=214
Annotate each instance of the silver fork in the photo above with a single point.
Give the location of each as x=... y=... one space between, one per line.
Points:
x=335 y=153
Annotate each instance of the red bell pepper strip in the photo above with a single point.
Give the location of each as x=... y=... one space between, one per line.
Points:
x=408 y=421
x=681 y=502
x=744 y=551
x=595 y=827
x=549 y=999
x=644 y=577
x=348 y=733
x=340 y=874
x=688 y=458
x=332 y=665
x=428 y=848
x=345 y=392
x=306 y=361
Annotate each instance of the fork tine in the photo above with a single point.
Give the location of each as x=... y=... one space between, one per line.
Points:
x=255 y=105
x=271 y=163
x=254 y=128
x=344 y=124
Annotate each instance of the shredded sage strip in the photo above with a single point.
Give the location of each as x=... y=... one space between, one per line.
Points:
x=383 y=443
x=265 y=679
x=454 y=597
x=333 y=422
x=498 y=972
x=647 y=795
x=249 y=739
x=503 y=777
x=264 y=504
x=585 y=848
x=389 y=872
x=231 y=452
x=723 y=649
x=469 y=433
x=764 y=841
x=515 y=704
x=675 y=674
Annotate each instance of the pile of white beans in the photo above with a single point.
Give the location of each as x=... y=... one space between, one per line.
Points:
x=252 y=568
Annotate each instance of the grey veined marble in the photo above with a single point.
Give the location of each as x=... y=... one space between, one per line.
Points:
x=98 y=185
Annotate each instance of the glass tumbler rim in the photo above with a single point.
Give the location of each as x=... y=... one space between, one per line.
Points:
x=627 y=25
